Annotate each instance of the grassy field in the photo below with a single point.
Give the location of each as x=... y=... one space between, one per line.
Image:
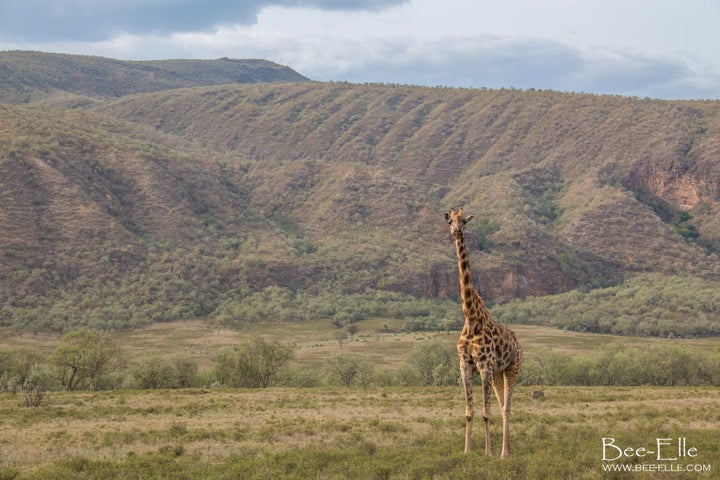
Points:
x=337 y=432
x=373 y=433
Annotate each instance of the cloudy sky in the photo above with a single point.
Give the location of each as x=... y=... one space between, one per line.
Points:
x=656 y=48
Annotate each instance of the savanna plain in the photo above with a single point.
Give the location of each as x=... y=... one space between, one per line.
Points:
x=160 y=215
x=373 y=431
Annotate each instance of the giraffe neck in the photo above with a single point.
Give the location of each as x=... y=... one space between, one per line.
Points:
x=469 y=297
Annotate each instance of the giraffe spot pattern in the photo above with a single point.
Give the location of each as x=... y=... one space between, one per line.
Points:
x=491 y=347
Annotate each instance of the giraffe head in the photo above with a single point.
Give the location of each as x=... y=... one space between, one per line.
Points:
x=457 y=220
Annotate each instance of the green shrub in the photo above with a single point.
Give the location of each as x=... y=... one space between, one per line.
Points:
x=348 y=370
x=616 y=365
x=84 y=357
x=36 y=385
x=16 y=366
x=649 y=305
x=435 y=362
x=153 y=373
x=254 y=364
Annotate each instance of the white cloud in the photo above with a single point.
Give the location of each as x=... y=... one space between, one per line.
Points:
x=644 y=48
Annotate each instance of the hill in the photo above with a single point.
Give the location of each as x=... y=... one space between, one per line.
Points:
x=295 y=200
x=567 y=185
x=37 y=76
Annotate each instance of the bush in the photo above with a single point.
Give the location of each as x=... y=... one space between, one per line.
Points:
x=532 y=371
x=299 y=378
x=350 y=370
x=15 y=368
x=36 y=386
x=436 y=363
x=84 y=357
x=152 y=374
x=177 y=372
x=656 y=365
x=185 y=371
x=253 y=365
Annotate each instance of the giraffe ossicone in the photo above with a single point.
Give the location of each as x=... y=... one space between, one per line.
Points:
x=486 y=346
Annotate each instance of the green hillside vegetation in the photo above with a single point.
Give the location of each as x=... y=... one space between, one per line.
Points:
x=36 y=76
x=298 y=201
x=646 y=305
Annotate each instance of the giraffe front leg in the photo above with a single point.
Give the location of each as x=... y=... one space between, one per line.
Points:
x=486 y=376
x=503 y=394
x=466 y=374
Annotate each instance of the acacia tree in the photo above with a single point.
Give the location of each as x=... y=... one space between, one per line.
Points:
x=254 y=364
x=84 y=357
x=349 y=370
x=16 y=366
x=435 y=362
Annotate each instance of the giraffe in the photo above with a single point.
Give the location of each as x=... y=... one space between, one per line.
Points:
x=488 y=346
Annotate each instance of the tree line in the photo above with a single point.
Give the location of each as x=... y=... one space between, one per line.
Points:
x=648 y=305
x=93 y=360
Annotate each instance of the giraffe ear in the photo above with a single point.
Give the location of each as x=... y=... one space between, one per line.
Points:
x=468 y=218
x=447 y=216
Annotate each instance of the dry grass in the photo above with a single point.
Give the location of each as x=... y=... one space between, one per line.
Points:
x=211 y=430
x=335 y=432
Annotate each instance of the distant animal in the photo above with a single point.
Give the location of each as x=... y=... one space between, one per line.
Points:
x=537 y=395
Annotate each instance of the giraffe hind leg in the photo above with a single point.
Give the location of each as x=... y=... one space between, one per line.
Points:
x=487 y=380
x=510 y=378
x=499 y=388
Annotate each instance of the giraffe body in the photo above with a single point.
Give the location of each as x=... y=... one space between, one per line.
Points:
x=486 y=346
